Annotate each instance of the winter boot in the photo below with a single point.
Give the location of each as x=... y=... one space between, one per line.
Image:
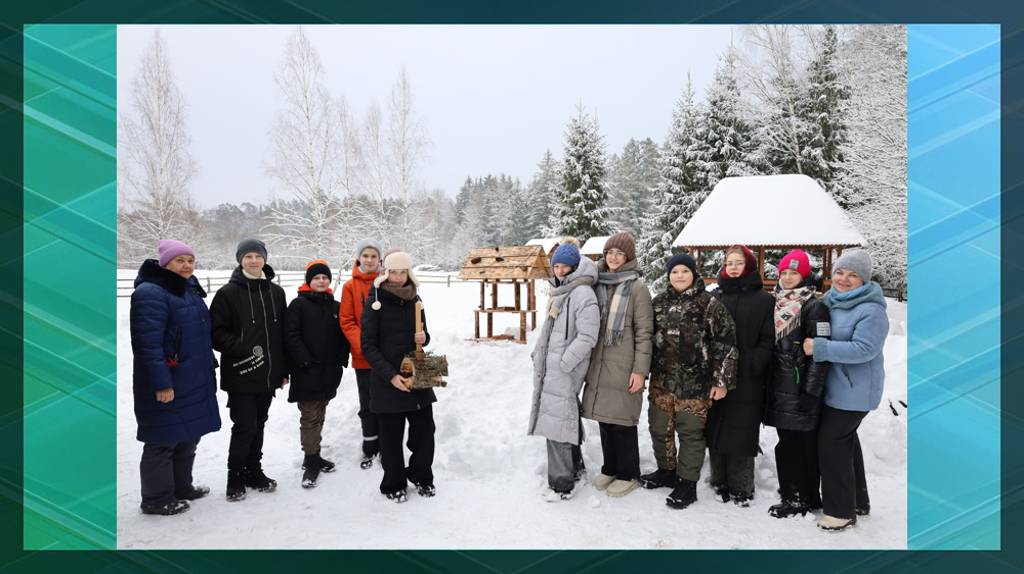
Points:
x=192 y=493
x=833 y=524
x=621 y=488
x=601 y=481
x=722 y=492
x=254 y=478
x=424 y=490
x=170 y=509
x=741 y=499
x=236 y=486
x=326 y=465
x=310 y=470
x=366 y=462
x=683 y=495
x=398 y=496
x=659 y=478
x=788 y=507
x=552 y=495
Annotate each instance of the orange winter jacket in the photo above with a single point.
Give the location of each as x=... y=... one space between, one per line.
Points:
x=353 y=297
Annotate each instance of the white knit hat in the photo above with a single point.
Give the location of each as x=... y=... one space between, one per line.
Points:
x=395 y=261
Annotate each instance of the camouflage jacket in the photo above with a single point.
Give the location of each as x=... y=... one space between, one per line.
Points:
x=694 y=343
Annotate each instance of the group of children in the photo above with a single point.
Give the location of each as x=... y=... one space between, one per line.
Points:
x=720 y=364
x=265 y=345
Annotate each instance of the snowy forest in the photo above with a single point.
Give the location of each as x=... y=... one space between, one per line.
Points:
x=825 y=101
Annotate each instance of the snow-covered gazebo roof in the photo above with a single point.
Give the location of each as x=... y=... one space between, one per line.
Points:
x=769 y=211
x=594 y=247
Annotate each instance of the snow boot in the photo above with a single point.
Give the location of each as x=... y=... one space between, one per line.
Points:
x=326 y=465
x=366 y=462
x=424 y=490
x=833 y=524
x=741 y=499
x=236 y=486
x=254 y=478
x=621 y=488
x=170 y=509
x=722 y=492
x=552 y=495
x=660 y=478
x=310 y=470
x=601 y=481
x=192 y=493
x=788 y=507
x=397 y=496
x=683 y=495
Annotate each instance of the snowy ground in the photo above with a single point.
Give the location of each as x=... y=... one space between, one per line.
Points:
x=489 y=474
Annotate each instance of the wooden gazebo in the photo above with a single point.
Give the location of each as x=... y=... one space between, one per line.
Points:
x=506 y=265
x=770 y=212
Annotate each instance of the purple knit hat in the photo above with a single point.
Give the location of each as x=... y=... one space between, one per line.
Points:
x=171 y=248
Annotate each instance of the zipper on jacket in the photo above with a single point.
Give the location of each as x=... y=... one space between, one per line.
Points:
x=270 y=361
x=566 y=308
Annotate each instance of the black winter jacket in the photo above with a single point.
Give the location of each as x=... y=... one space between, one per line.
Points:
x=387 y=336
x=734 y=422
x=248 y=320
x=797 y=385
x=317 y=348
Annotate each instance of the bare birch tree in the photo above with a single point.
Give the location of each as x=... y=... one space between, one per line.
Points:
x=155 y=167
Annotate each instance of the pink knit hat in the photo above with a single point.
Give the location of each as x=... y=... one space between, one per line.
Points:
x=798 y=261
x=170 y=248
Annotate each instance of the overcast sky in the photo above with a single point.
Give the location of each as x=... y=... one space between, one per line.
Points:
x=493 y=98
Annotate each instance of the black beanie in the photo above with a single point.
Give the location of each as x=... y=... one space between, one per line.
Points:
x=682 y=259
x=317 y=267
x=250 y=246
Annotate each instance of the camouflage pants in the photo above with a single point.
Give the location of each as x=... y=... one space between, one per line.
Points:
x=669 y=415
x=736 y=472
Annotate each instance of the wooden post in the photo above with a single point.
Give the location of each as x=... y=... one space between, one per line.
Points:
x=490 y=325
x=531 y=296
x=476 y=323
x=760 y=263
x=522 y=327
x=483 y=285
x=494 y=294
x=518 y=304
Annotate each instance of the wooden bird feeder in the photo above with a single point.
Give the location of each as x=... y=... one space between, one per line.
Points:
x=516 y=266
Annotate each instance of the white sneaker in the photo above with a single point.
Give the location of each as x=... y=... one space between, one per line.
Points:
x=833 y=524
x=620 y=488
x=601 y=481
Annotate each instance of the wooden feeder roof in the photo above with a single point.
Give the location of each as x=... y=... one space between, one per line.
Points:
x=523 y=262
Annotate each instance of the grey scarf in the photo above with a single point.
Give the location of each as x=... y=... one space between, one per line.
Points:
x=614 y=304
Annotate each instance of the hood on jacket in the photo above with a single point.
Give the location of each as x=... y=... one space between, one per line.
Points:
x=586 y=269
x=152 y=272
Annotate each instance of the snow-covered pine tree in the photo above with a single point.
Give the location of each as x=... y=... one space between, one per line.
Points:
x=824 y=110
x=676 y=197
x=541 y=196
x=632 y=178
x=724 y=139
x=581 y=210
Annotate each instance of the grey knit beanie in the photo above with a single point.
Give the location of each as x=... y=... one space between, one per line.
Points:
x=856 y=260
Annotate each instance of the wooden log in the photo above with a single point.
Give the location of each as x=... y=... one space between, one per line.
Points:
x=494 y=294
x=476 y=323
x=517 y=286
x=483 y=286
x=522 y=327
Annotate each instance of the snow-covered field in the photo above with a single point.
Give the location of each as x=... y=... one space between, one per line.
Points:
x=489 y=474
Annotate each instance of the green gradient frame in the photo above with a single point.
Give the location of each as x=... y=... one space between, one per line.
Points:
x=69 y=89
